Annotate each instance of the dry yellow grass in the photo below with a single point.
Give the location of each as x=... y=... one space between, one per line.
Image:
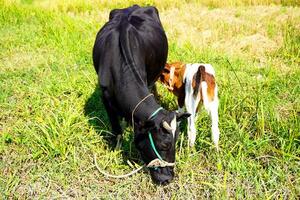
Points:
x=81 y=5
x=237 y=31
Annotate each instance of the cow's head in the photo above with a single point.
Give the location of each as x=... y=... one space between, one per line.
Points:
x=164 y=132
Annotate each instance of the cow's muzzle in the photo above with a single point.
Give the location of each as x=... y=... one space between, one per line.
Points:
x=162 y=175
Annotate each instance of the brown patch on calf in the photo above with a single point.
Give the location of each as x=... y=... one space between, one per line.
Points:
x=200 y=76
x=211 y=84
x=177 y=82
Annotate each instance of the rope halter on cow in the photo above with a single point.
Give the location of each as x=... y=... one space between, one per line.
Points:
x=155 y=163
x=159 y=161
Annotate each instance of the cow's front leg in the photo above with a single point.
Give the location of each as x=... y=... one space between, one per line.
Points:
x=113 y=118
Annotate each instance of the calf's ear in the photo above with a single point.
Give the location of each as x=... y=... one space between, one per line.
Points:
x=167 y=67
x=182 y=116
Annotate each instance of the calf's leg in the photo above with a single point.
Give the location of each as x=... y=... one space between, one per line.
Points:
x=212 y=109
x=191 y=102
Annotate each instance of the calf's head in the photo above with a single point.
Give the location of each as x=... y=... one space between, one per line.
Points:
x=172 y=76
x=164 y=132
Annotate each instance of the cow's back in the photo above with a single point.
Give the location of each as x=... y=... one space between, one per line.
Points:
x=140 y=31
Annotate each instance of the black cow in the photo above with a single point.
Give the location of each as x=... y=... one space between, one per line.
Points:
x=129 y=54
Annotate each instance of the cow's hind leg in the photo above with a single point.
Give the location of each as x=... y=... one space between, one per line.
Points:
x=113 y=118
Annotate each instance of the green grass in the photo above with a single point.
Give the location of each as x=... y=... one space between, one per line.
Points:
x=52 y=120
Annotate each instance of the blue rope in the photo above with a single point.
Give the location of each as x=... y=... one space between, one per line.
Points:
x=155 y=113
x=153 y=146
x=150 y=136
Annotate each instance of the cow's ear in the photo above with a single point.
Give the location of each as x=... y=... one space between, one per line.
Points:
x=144 y=127
x=141 y=131
x=149 y=125
x=113 y=13
x=182 y=116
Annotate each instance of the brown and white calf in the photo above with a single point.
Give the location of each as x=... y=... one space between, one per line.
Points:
x=192 y=84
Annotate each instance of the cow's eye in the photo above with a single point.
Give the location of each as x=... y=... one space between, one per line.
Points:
x=165 y=146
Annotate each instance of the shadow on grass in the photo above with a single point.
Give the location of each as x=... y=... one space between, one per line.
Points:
x=95 y=110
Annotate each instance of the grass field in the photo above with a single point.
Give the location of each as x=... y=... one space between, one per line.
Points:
x=52 y=121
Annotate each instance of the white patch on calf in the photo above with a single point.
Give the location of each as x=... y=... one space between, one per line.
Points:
x=191 y=102
x=215 y=118
x=204 y=95
x=172 y=72
x=212 y=109
x=209 y=69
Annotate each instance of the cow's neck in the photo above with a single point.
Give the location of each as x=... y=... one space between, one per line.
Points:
x=146 y=108
x=136 y=97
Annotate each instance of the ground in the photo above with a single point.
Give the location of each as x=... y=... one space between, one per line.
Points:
x=52 y=120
